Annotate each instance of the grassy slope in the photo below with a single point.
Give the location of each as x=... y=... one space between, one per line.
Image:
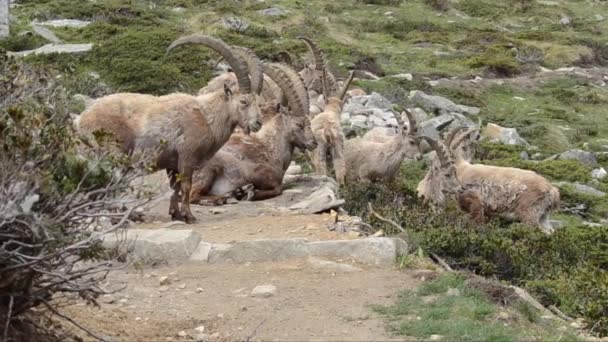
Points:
x=473 y=37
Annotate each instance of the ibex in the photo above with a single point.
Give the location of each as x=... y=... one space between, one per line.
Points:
x=256 y=164
x=371 y=160
x=312 y=75
x=327 y=130
x=490 y=191
x=187 y=130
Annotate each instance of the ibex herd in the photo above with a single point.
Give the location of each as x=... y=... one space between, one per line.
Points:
x=237 y=137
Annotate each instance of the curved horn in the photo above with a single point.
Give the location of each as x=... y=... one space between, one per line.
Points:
x=441 y=152
x=462 y=137
x=283 y=76
x=285 y=58
x=346 y=85
x=218 y=45
x=316 y=52
x=399 y=119
x=298 y=83
x=255 y=67
x=412 y=128
x=452 y=134
x=326 y=91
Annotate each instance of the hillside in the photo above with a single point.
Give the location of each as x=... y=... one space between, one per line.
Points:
x=539 y=67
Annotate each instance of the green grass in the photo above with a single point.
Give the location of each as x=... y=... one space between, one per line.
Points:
x=469 y=316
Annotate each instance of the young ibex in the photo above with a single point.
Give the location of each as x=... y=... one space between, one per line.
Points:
x=485 y=191
x=187 y=130
x=327 y=129
x=257 y=163
x=370 y=161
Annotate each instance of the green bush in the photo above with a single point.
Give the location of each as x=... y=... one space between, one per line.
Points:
x=496 y=59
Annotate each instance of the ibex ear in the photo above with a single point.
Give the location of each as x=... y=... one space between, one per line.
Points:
x=227 y=92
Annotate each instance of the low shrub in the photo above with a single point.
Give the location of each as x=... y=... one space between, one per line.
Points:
x=514 y=252
x=497 y=59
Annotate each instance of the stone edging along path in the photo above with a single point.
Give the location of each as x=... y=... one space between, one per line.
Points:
x=172 y=245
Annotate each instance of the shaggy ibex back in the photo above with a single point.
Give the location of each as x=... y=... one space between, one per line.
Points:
x=370 y=161
x=187 y=130
x=327 y=129
x=486 y=191
x=255 y=164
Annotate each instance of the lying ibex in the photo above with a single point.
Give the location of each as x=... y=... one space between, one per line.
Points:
x=187 y=130
x=486 y=191
x=327 y=130
x=257 y=163
x=460 y=144
x=371 y=160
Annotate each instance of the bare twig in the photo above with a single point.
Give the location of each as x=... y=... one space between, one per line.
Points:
x=384 y=219
x=559 y=313
x=255 y=331
x=72 y=321
x=8 y=318
x=442 y=262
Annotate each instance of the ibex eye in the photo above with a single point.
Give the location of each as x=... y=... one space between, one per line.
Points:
x=243 y=102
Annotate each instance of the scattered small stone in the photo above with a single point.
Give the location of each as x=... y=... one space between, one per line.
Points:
x=232 y=200
x=599 y=173
x=201 y=338
x=435 y=337
x=216 y=211
x=240 y=328
x=199 y=289
x=235 y=24
x=379 y=233
x=163 y=288
x=138 y=318
x=565 y=20
x=164 y=280
x=389 y=13
x=264 y=291
x=181 y=286
x=220 y=315
x=576 y=325
x=73 y=23
x=273 y=12
x=215 y=336
x=200 y=328
x=453 y=292
x=504 y=316
x=182 y=334
x=354 y=234
x=407 y=76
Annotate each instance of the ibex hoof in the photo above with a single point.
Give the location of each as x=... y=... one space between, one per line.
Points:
x=189 y=219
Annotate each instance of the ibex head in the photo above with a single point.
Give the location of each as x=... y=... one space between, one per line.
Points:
x=294 y=109
x=241 y=104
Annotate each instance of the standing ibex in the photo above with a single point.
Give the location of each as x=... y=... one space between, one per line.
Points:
x=312 y=76
x=257 y=163
x=368 y=160
x=486 y=191
x=327 y=129
x=187 y=130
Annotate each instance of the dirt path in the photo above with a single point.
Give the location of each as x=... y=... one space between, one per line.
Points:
x=309 y=304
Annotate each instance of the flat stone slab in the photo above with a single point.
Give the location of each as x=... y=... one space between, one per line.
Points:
x=155 y=245
x=73 y=23
x=373 y=251
x=54 y=48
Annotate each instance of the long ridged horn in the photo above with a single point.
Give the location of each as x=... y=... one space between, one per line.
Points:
x=283 y=76
x=346 y=85
x=399 y=119
x=255 y=67
x=452 y=134
x=300 y=87
x=462 y=137
x=439 y=149
x=237 y=64
x=412 y=128
x=326 y=92
x=316 y=53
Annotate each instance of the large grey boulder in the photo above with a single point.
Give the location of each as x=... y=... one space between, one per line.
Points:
x=4 y=18
x=261 y=251
x=583 y=189
x=320 y=200
x=154 y=245
x=432 y=127
x=504 y=135
x=586 y=158
x=54 y=48
x=440 y=104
